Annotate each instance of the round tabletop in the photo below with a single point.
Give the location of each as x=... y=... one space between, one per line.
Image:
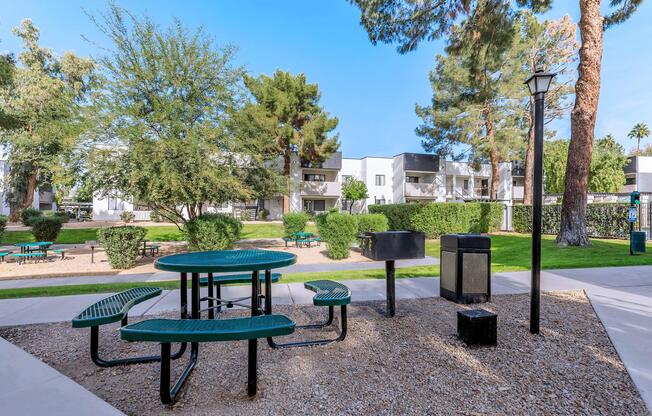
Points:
x=34 y=244
x=225 y=261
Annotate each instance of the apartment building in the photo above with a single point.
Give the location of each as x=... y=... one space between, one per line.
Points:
x=406 y=177
x=638 y=174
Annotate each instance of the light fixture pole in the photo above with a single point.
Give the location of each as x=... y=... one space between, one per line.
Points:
x=538 y=85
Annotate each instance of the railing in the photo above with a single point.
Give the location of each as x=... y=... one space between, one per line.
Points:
x=311 y=188
x=517 y=192
x=423 y=190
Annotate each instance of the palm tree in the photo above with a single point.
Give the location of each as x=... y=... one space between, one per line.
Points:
x=640 y=131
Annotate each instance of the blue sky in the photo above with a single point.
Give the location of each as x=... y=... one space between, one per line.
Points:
x=372 y=89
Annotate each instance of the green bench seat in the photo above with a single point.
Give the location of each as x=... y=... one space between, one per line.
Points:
x=111 y=309
x=166 y=331
x=215 y=291
x=4 y=254
x=327 y=293
x=23 y=257
x=60 y=251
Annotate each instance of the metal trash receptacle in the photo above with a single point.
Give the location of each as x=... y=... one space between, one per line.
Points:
x=465 y=268
x=637 y=242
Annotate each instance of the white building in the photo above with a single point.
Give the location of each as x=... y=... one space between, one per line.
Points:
x=402 y=178
x=638 y=174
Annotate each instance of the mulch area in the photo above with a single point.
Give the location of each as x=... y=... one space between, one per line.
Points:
x=411 y=364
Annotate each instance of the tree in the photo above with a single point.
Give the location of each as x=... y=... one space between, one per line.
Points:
x=473 y=93
x=572 y=230
x=638 y=132
x=286 y=115
x=550 y=45
x=165 y=135
x=607 y=166
x=287 y=110
x=42 y=101
x=554 y=165
x=354 y=190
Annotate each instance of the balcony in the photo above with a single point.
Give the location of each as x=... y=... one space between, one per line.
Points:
x=421 y=190
x=517 y=192
x=326 y=189
x=417 y=162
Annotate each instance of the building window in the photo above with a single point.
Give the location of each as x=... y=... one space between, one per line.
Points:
x=346 y=204
x=114 y=203
x=380 y=180
x=630 y=180
x=412 y=179
x=346 y=178
x=314 y=205
x=379 y=201
x=314 y=177
x=466 y=185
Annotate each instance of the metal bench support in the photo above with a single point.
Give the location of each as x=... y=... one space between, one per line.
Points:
x=341 y=337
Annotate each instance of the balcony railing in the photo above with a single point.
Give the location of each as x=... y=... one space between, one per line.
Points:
x=422 y=190
x=310 y=188
x=517 y=192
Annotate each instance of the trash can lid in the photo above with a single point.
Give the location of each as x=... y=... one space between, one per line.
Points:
x=458 y=241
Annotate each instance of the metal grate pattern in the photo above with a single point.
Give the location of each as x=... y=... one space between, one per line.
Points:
x=114 y=307
x=329 y=293
x=225 y=261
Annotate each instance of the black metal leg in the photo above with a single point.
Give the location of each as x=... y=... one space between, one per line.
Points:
x=343 y=319
x=194 y=293
x=255 y=283
x=95 y=335
x=183 y=287
x=211 y=302
x=252 y=378
x=218 y=294
x=391 y=287
x=329 y=322
x=169 y=396
x=268 y=292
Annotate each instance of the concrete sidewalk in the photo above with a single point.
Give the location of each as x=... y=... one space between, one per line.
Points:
x=621 y=297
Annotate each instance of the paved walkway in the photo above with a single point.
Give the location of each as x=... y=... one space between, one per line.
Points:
x=162 y=276
x=622 y=298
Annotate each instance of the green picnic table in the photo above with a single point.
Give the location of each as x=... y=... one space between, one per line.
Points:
x=38 y=246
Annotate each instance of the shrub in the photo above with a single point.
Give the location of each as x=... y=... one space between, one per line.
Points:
x=340 y=231
x=606 y=220
x=212 y=232
x=46 y=228
x=294 y=222
x=320 y=222
x=438 y=218
x=61 y=215
x=154 y=216
x=122 y=244
x=127 y=216
x=3 y=225
x=26 y=215
x=372 y=223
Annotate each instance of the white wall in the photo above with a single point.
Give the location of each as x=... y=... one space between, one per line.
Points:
x=101 y=211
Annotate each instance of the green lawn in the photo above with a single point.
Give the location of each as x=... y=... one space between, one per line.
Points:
x=511 y=252
x=154 y=233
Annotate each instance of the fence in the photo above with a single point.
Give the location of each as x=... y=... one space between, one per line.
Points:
x=644 y=212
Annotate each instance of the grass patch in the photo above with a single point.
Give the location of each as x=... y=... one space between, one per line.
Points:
x=512 y=252
x=154 y=233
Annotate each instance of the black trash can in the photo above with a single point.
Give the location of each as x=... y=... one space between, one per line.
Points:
x=465 y=268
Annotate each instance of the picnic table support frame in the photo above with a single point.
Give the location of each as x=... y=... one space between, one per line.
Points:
x=390 y=271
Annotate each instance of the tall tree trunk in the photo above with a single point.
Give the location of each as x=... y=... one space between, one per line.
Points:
x=529 y=158
x=493 y=153
x=587 y=93
x=31 y=188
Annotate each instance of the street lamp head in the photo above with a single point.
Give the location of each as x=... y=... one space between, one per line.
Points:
x=539 y=82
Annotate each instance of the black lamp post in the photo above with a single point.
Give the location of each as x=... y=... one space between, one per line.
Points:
x=538 y=85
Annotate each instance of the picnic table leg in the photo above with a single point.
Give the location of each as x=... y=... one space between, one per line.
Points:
x=195 y=314
x=252 y=367
x=211 y=302
x=268 y=292
x=255 y=281
x=184 y=295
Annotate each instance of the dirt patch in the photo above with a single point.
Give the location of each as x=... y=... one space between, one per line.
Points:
x=411 y=364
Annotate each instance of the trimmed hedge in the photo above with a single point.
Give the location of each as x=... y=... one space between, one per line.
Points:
x=212 y=232
x=294 y=222
x=26 y=215
x=121 y=244
x=320 y=222
x=3 y=225
x=438 y=218
x=603 y=220
x=339 y=232
x=46 y=228
x=372 y=223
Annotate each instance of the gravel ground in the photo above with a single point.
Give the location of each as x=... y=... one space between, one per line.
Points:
x=412 y=364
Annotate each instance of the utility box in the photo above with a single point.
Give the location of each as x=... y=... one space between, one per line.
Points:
x=465 y=268
x=393 y=245
x=477 y=327
x=637 y=242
